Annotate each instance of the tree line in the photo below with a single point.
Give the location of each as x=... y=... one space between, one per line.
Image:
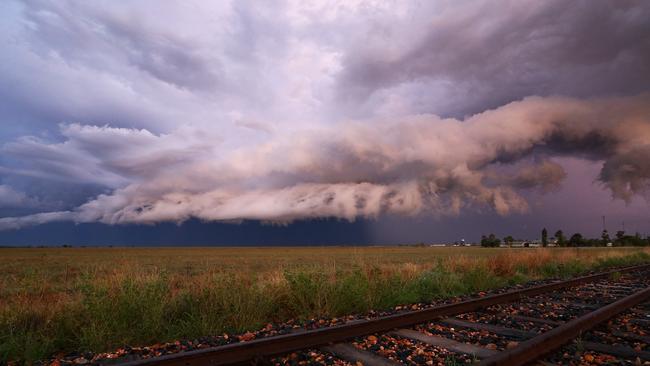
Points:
x=575 y=240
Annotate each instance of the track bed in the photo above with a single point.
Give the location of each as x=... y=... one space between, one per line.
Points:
x=602 y=318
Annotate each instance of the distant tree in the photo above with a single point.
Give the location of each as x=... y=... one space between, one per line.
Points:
x=633 y=240
x=559 y=236
x=495 y=241
x=508 y=240
x=620 y=234
x=544 y=237
x=605 y=237
x=576 y=240
x=490 y=241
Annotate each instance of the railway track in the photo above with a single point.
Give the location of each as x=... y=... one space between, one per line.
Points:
x=605 y=316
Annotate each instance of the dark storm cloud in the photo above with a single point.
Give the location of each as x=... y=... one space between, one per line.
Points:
x=491 y=54
x=628 y=173
x=286 y=111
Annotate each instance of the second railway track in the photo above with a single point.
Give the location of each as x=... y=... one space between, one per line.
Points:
x=510 y=328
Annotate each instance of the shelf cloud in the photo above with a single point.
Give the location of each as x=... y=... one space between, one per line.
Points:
x=244 y=111
x=358 y=169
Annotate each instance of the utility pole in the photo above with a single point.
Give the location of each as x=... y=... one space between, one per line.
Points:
x=604 y=228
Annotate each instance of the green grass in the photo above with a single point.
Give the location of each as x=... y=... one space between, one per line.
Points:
x=60 y=300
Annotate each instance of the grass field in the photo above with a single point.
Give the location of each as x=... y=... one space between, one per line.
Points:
x=64 y=299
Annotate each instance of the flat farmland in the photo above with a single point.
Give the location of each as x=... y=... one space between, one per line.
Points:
x=57 y=300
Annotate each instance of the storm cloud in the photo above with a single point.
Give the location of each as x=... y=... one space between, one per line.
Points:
x=465 y=58
x=299 y=111
x=361 y=169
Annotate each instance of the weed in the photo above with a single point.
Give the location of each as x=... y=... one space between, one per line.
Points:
x=615 y=276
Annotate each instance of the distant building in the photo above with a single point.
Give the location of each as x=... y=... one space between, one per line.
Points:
x=521 y=243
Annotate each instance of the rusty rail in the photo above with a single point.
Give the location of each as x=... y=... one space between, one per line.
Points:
x=245 y=353
x=547 y=342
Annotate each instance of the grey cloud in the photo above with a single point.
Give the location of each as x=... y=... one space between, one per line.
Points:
x=105 y=156
x=129 y=66
x=628 y=173
x=487 y=55
x=546 y=175
x=226 y=55
x=9 y=197
x=85 y=34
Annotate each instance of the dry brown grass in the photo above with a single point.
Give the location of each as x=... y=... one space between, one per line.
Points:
x=54 y=299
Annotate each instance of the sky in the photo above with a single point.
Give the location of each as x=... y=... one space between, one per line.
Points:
x=321 y=122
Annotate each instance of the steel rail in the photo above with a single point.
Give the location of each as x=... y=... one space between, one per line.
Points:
x=547 y=342
x=245 y=353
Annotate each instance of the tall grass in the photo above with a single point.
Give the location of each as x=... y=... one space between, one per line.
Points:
x=98 y=307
